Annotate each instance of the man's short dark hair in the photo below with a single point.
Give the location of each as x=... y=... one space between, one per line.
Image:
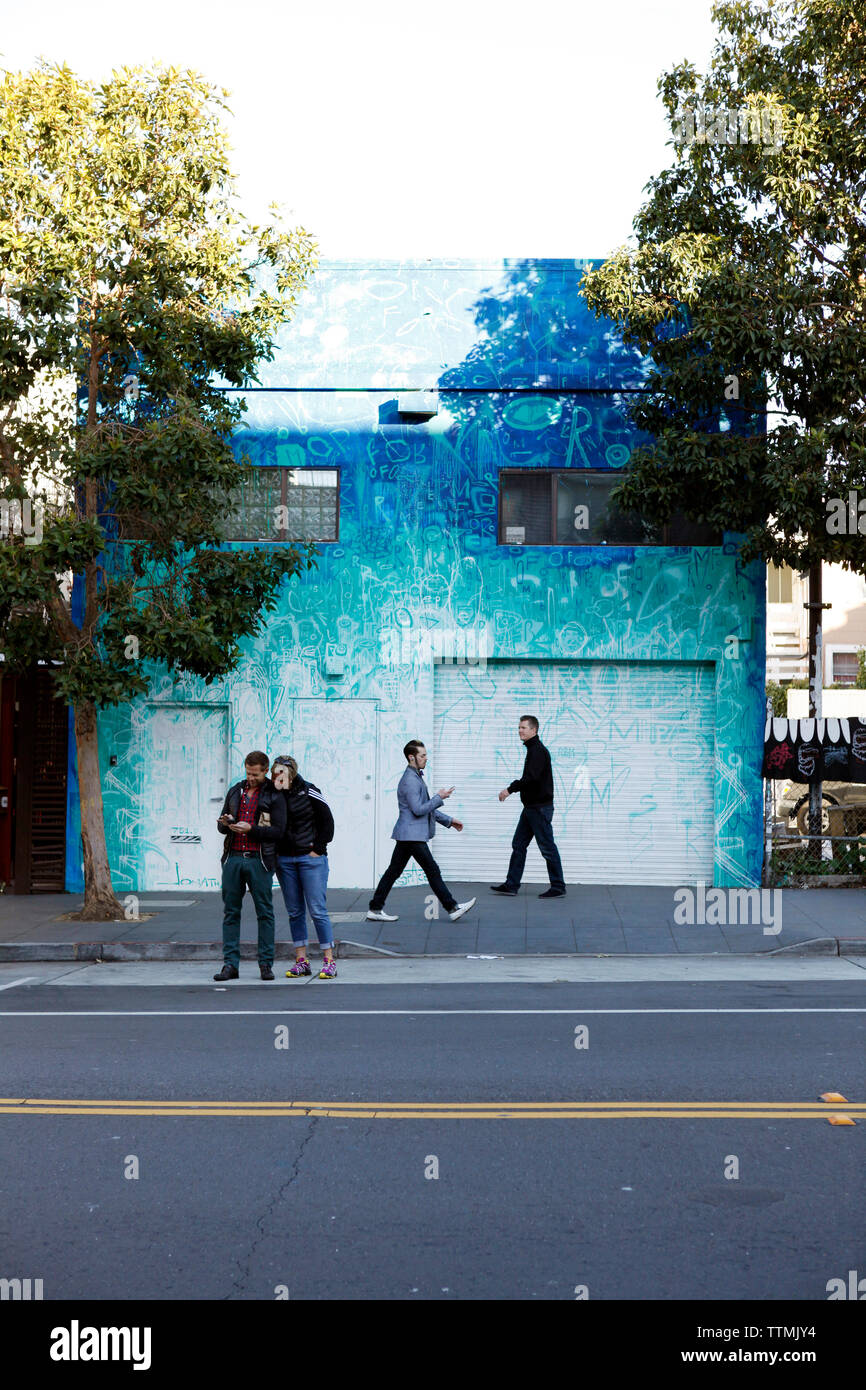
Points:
x=529 y=719
x=413 y=747
x=257 y=759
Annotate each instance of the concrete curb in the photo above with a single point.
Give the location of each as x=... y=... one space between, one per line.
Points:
x=133 y=950
x=90 y=951
x=361 y=948
x=818 y=946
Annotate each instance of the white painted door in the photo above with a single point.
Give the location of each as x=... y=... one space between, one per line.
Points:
x=632 y=746
x=185 y=767
x=334 y=744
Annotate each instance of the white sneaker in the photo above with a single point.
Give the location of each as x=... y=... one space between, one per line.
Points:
x=460 y=909
x=380 y=917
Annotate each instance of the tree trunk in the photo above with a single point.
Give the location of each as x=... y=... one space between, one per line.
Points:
x=100 y=901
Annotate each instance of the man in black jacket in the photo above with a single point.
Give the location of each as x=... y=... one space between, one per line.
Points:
x=536 y=818
x=253 y=820
x=302 y=864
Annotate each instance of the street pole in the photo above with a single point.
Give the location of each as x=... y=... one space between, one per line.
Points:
x=769 y=809
x=816 y=679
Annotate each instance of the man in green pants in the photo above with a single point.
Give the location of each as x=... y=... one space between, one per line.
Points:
x=253 y=820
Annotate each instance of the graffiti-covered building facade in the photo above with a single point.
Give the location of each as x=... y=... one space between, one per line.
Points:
x=449 y=434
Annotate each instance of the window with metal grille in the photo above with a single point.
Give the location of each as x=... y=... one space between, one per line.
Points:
x=542 y=507
x=285 y=504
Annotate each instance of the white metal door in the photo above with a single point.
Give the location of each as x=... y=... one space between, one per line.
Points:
x=334 y=744
x=185 y=765
x=633 y=747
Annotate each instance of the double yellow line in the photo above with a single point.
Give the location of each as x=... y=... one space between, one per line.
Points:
x=444 y=1110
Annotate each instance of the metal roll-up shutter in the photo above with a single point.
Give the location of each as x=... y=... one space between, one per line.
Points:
x=633 y=749
x=41 y=739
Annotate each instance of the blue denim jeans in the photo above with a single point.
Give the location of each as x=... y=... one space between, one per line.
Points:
x=304 y=880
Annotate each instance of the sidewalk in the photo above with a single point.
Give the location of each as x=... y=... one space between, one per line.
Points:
x=591 y=920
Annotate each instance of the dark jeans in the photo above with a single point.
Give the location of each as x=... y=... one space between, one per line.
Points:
x=537 y=822
x=239 y=874
x=404 y=850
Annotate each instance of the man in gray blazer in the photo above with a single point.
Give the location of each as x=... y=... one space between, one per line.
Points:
x=416 y=824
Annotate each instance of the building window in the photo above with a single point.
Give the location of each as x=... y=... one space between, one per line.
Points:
x=779 y=583
x=844 y=668
x=541 y=507
x=525 y=511
x=285 y=504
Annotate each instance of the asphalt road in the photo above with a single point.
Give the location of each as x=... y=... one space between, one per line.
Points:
x=330 y=1199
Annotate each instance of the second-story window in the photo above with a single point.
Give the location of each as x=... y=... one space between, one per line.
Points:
x=286 y=504
x=544 y=507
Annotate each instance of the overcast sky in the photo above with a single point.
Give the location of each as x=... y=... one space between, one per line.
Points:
x=473 y=128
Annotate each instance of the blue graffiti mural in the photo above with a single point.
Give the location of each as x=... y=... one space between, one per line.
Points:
x=524 y=378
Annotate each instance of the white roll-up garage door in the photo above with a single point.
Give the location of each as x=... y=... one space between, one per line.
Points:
x=632 y=745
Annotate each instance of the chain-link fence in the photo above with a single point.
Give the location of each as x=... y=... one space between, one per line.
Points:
x=794 y=856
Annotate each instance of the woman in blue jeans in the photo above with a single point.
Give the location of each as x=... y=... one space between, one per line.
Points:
x=302 y=864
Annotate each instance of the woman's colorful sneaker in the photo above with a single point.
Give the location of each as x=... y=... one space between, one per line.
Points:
x=300 y=967
x=328 y=970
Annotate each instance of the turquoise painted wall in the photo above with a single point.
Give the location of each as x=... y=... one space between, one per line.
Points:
x=526 y=378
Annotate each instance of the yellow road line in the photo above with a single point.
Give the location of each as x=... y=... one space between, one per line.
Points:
x=438 y=1110
x=816 y=1107
x=439 y=1115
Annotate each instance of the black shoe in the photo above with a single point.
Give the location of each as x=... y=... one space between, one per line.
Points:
x=553 y=893
x=504 y=889
x=266 y=972
x=228 y=972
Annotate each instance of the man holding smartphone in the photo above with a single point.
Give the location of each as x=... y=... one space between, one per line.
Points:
x=416 y=824
x=253 y=820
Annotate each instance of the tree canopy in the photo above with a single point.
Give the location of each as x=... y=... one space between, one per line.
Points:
x=132 y=289
x=128 y=294
x=746 y=282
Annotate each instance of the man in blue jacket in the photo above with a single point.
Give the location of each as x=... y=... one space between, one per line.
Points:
x=416 y=824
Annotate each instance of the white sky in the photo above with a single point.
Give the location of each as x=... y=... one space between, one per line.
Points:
x=390 y=128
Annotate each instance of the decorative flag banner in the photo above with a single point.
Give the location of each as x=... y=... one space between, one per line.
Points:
x=815 y=750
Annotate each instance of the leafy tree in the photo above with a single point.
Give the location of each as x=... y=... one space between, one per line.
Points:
x=747 y=285
x=779 y=696
x=130 y=286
